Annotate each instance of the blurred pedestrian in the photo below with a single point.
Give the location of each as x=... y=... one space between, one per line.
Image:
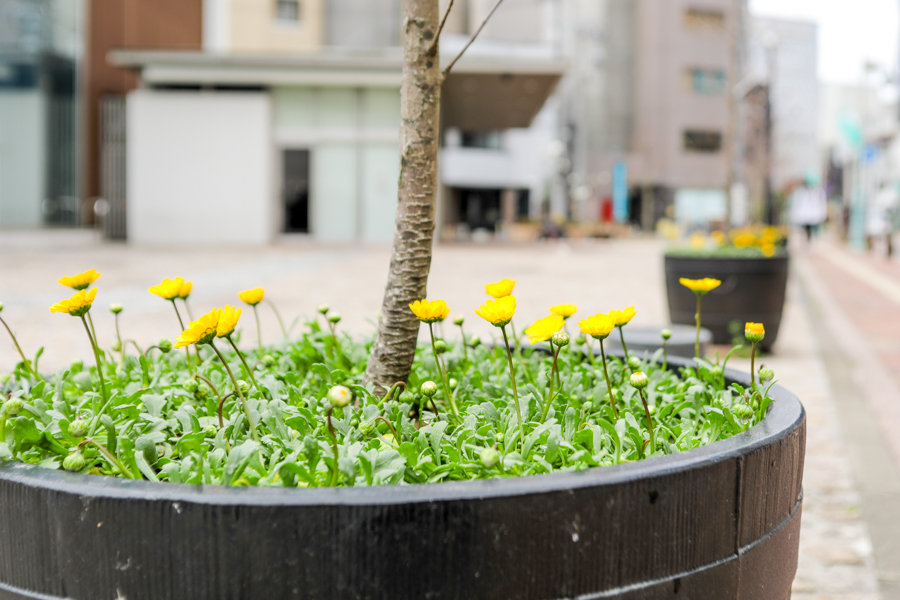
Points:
x=881 y=216
x=809 y=206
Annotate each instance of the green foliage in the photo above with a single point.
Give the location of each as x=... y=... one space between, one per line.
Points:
x=724 y=252
x=160 y=423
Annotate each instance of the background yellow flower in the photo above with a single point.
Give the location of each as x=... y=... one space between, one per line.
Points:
x=498 y=312
x=252 y=296
x=500 y=289
x=227 y=320
x=543 y=330
x=169 y=289
x=754 y=331
x=621 y=317
x=185 y=290
x=81 y=281
x=430 y=311
x=201 y=331
x=700 y=286
x=77 y=305
x=598 y=326
x=564 y=310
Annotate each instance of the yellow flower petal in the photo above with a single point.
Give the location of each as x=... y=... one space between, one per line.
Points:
x=185 y=290
x=543 y=330
x=81 y=281
x=700 y=286
x=252 y=296
x=430 y=311
x=201 y=331
x=77 y=305
x=754 y=332
x=598 y=326
x=564 y=310
x=500 y=289
x=498 y=312
x=621 y=317
x=169 y=289
x=227 y=320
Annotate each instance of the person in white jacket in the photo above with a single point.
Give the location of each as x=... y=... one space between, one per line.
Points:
x=809 y=207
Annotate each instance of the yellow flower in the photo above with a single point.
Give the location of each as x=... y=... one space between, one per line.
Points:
x=500 y=289
x=185 y=290
x=227 y=320
x=498 y=312
x=77 y=305
x=201 y=331
x=544 y=329
x=430 y=311
x=718 y=237
x=252 y=296
x=169 y=289
x=700 y=286
x=81 y=281
x=564 y=310
x=744 y=240
x=768 y=250
x=697 y=240
x=599 y=326
x=621 y=317
x=754 y=332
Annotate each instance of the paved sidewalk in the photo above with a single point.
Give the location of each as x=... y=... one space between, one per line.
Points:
x=837 y=560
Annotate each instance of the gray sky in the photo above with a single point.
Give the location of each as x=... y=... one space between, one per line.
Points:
x=850 y=32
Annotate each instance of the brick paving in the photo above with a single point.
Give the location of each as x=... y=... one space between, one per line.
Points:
x=836 y=559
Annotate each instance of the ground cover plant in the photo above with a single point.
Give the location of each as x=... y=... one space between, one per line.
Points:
x=752 y=241
x=295 y=413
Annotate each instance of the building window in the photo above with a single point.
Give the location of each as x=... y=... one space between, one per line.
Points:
x=702 y=141
x=706 y=82
x=295 y=190
x=287 y=10
x=490 y=140
x=704 y=19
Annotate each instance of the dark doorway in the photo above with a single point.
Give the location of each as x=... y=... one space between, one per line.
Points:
x=296 y=191
x=479 y=209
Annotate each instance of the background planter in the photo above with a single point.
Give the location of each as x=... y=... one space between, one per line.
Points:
x=753 y=289
x=720 y=521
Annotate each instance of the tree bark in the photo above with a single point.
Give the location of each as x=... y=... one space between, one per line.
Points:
x=420 y=93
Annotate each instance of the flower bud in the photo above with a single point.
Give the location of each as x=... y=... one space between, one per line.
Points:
x=165 y=345
x=202 y=393
x=268 y=361
x=74 y=461
x=78 y=428
x=429 y=389
x=474 y=341
x=580 y=339
x=742 y=411
x=115 y=308
x=210 y=431
x=716 y=371
x=561 y=338
x=115 y=346
x=14 y=406
x=323 y=308
x=1 y=307
x=634 y=363
x=367 y=428
x=334 y=317
x=587 y=406
x=458 y=320
x=452 y=383
x=440 y=347
x=490 y=457
x=407 y=396
x=499 y=436
x=666 y=334
x=639 y=380
x=243 y=386
x=339 y=396
x=766 y=374
x=190 y=386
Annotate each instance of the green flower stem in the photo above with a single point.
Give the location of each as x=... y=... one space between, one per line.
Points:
x=553 y=372
x=608 y=384
x=512 y=373
x=390 y=393
x=649 y=421
x=187 y=307
x=22 y=354
x=187 y=349
x=121 y=345
x=216 y=392
x=464 y=345
x=665 y=350
x=753 y=365
x=91 y=323
x=337 y=343
x=111 y=458
x=3 y=419
x=512 y=330
x=246 y=366
x=437 y=362
x=590 y=351
x=334 y=448
x=278 y=316
x=258 y=330
x=697 y=318
x=97 y=359
x=237 y=389
x=624 y=347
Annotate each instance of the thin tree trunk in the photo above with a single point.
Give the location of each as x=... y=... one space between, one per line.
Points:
x=420 y=92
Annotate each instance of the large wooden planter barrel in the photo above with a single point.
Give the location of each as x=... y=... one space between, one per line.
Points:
x=721 y=521
x=753 y=289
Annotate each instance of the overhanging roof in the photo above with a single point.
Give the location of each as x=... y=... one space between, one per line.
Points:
x=484 y=91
